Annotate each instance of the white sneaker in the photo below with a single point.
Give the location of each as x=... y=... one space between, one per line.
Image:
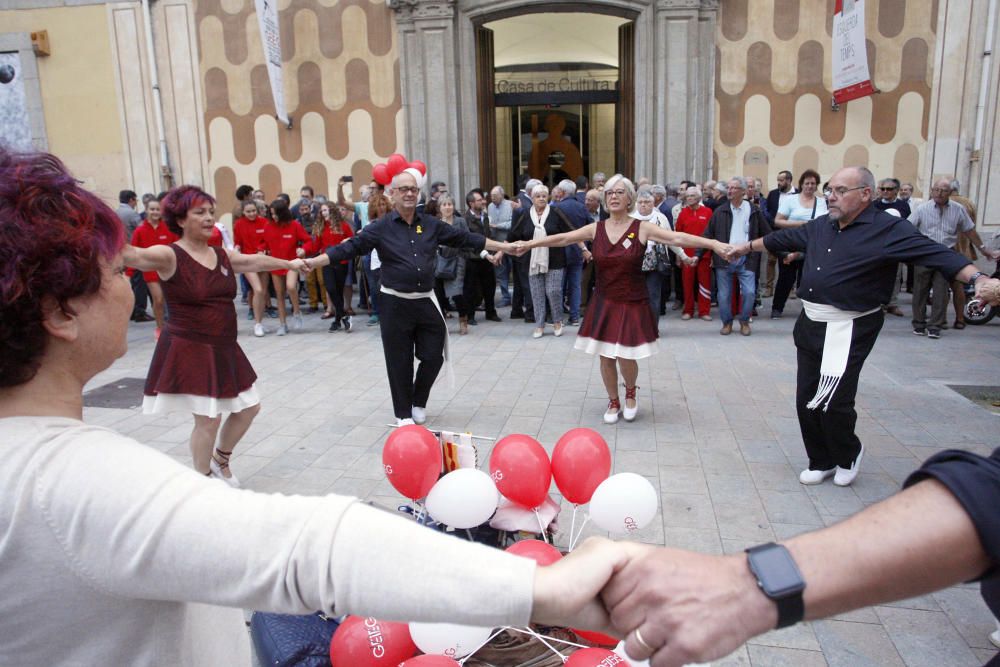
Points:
x=258 y=330
x=347 y=324
x=213 y=465
x=537 y=333
x=282 y=329
x=297 y=323
x=404 y=422
x=845 y=476
x=419 y=415
x=811 y=477
x=995 y=636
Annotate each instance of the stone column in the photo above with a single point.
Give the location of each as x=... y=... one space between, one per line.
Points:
x=682 y=99
x=429 y=86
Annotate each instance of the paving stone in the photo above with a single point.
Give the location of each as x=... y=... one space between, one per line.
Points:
x=800 y=636
x=969 y=614
x=772 y=656
x=925 y=638
x=847 y=644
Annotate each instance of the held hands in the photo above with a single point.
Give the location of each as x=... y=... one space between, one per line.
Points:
x=298 y=265
x=519 y=248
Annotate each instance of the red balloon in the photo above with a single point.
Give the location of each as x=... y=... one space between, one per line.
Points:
x=396 y=163
x=380 y=173
x=430 y=661
x=595 y=657
x=369 y=642
x=521 y=470
x=419 y=166
x=541 y=552
x=597 y=637
x=581 y=460
x=412 y=460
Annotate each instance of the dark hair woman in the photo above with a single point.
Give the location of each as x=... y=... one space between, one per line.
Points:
x=282 y=238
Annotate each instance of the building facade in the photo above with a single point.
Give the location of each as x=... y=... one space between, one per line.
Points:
x=143 y=94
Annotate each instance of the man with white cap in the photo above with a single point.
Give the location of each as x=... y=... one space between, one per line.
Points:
x=411 y=319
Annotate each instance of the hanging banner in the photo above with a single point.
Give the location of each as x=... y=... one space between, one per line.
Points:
x=270 y=37
x=851 y=78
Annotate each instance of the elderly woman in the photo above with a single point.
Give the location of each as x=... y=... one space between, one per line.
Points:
x=794 y=211
x=453 y=288
x=547 y=264
x=656 y=259
x=114 y=553
x=619 y=324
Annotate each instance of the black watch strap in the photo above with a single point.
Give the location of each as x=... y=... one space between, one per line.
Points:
x=975 y=276
x=779 y=579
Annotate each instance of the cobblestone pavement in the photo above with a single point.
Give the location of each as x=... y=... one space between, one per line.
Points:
x=716 y=434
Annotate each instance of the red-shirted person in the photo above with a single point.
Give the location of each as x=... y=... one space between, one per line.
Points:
x=282 y=237
x=330 y=229
x=693 y=219
x=150 y=233
x=248 y=237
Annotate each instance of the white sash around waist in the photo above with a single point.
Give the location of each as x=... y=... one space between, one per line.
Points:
x=836 y=347
x=413 y=296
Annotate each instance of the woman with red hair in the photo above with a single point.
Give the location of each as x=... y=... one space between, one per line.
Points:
x=198 y=366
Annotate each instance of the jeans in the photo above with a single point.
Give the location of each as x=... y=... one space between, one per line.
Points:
x=571 y=288
x=503 y=278
x=724 y=282
x=654 y=286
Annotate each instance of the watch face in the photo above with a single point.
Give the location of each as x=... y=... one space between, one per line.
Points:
x=777 y=572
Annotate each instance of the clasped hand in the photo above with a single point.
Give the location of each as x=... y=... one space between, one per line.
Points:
x=687 y=607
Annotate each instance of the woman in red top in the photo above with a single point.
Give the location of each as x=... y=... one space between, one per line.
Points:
x=198 y=366
x=619 y=324
x=329 y=230
x=282 y=238
x=693 y=219
x=150 y=233
x=248 y=236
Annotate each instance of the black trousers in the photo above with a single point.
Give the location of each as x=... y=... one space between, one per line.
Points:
x=334 y=277
x=788 y=276
x=829 y=434
x=141 y=294
x=410 y=327
x=480 y=284
x=520 y=302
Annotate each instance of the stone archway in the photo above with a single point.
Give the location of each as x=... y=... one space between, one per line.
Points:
x=674 y=82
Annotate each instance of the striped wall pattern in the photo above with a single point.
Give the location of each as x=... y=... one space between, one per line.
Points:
x=774 y=90
x=342 y=93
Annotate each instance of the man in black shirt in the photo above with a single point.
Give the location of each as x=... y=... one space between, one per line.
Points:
x=851 y=258
x=411 y=320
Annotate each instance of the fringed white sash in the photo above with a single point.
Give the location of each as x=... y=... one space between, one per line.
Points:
x=836 y=347
x=412 y=296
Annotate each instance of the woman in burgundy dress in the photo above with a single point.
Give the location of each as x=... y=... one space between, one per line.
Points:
x=197 y=366
x=619 y=324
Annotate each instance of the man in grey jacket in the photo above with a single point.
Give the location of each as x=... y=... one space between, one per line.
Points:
x=736 y=221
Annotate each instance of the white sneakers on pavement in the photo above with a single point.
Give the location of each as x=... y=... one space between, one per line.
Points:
x=297 y=322
x=282 y=330
x=845 y=476
x=811 y=477
x=404 y=422
x=258 y=330
x=419 y=415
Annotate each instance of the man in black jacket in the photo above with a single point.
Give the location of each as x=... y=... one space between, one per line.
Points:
x=736 y=222
x=480 y=278
x=785 y=187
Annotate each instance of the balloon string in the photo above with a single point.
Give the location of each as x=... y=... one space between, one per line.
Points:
x=580 y=533
x=540 y=526
x=529 y=631
x=491 y=638
x=572 y=526
x=542 y=639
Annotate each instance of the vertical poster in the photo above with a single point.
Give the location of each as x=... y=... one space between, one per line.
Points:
x=15 y=130
x=851 y=78
x=270 y=36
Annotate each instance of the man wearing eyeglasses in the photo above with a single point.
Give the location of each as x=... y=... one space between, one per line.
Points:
x=411 y=320
x=851 y=258
x=890 y=200
x=944 y=221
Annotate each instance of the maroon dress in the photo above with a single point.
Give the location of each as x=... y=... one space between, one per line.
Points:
x=197 y=365
x=619 y=321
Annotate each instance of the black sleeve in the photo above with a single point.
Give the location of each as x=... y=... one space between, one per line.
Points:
x=975 y=482
x=791 y=239
x=905 y=244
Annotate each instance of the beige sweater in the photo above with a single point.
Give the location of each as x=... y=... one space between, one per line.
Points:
x=112 y=553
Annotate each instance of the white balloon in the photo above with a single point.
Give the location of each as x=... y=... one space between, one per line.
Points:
x=463 y=498
x=624 y=503
x=454 y=641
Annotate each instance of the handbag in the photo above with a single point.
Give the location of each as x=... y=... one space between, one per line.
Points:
x=285 y=640
x=446 y=268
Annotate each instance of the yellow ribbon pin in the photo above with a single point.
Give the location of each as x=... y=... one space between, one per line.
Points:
x=631 y=235
x=420 y=230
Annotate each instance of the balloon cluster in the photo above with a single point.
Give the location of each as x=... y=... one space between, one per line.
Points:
x=370 y=642
x=397 y=164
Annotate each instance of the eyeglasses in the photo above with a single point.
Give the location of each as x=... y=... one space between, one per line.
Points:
x=841 y=191
x=890 y=189
x=616 y=193
x=408 y=189
x=940 y=191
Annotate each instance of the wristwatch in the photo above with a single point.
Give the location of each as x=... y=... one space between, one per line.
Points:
x=976 y=276
x=780 y=580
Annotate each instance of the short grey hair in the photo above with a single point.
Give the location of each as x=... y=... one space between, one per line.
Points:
x=645 y=194
x=742 y=182
x=955 y=185
x=867 y=177
x=627 y=184
x=540 y=186
x=445 y=198
x=658 y=191
x=567 y=187
x=498 y=188
x=696 y=191
x=599 y=175
x=531 y=185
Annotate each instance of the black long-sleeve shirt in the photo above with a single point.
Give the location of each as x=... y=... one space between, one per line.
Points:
x=853 y=268
x=407 y=252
